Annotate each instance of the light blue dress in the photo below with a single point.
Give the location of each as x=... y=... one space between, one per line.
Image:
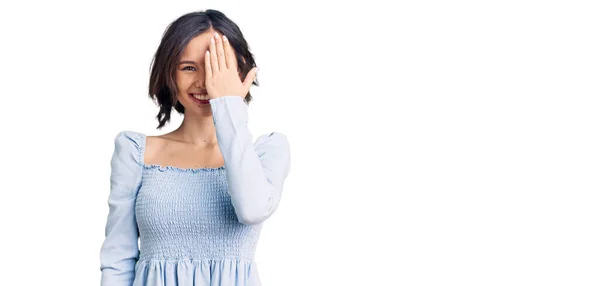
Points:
x=196 y=226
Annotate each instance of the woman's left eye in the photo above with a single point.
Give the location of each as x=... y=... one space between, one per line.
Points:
x=185 y=68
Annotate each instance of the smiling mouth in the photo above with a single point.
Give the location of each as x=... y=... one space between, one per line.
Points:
x=199 y=96
x=201 y=99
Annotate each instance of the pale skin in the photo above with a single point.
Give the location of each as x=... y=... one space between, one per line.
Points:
x=208 y=65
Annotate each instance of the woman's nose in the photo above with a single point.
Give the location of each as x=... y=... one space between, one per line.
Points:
x=199 y=83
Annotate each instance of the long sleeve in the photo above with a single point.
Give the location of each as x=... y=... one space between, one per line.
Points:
x=120 y=251
x=255 y=171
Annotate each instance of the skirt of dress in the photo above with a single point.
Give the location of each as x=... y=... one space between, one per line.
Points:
x=187 y=272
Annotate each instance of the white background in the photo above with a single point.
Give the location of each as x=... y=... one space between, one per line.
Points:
x=433 y=142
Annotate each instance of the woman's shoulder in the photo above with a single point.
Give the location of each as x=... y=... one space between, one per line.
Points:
x=130 y=142
x=273 y=143
x=277 y=139
x=126 y=163
x=128 y=136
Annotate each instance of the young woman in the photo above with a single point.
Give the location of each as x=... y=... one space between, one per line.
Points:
x=196 y=197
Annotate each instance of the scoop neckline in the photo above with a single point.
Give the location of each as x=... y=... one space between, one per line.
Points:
x=168 y=167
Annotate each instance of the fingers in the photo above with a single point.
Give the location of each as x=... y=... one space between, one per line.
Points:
x=250 y=77
x=214 y=60
x=207 y=68
x=229 y=54
x=220 y=52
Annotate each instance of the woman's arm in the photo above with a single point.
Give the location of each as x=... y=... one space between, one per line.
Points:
x=255 y=171
x=120 y=252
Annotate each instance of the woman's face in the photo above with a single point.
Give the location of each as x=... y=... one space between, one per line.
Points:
x=190 y=76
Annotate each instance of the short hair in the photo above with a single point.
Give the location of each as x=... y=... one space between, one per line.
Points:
x=162 y=87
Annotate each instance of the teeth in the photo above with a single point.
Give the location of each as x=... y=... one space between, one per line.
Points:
x=197 y=96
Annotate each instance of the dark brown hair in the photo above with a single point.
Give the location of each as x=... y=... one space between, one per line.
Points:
x=162 y=88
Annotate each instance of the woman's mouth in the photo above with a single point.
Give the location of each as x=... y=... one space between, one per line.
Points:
x=199 y=98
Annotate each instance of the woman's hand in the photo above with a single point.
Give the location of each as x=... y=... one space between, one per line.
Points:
x=222 y=77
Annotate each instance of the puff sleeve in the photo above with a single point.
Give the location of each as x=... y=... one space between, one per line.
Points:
x=255 y=171
x=119 y=252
